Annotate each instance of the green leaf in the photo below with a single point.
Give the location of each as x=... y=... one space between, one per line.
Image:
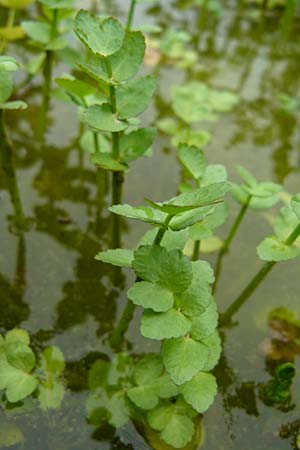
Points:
x=202 y=196
x=170 y=209
x=94 y=68
x=272 y=249
x=151 y=296
x=20 y=356
x=136 y=143
x=16 y=4
x=176 y=427
x=193 y=159
x=102 y=36
x=207 y=226
x=6 y=86
x=58 y=4
x=37 y=31
x=52 y=361
x=117 y=257
x=189 y=218
x=246 y=176
x=17 y=335
x=295 y=205
x=18 y=384
x=205 y=324
x=14 y=105
x=98 y=374
x=214 y=173
x=171 y=269
x=200 y=391
x=171 y=240
x=51 y=394
x=285 y=223
x=77 y=89
x=126 y=62
x=214 y=345
x=101 y=117
x=196 y=298
x=107 y=162
x=133 y=97
x=164 y=325
x=8 y=63
x=183 y=358
x=143 y=213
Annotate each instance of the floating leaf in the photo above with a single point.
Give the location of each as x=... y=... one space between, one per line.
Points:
x=117 y=257
x=176 y=427
x=101 y=117
x=184 y=358
x=133 y=97
x=272 y=249
x=200 y=391
x=102 y=36
x=164 y=325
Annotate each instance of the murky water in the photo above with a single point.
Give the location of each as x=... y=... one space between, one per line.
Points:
x=51 y=285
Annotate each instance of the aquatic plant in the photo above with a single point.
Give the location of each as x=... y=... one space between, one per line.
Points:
x=115 y=56
x=22 y=374
x=10 y=31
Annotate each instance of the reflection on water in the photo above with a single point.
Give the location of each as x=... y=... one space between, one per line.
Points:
x=50 y=282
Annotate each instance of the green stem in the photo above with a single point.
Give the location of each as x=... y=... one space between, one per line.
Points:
x=96 y=142
x=161 y=231
x=130 y=15
x=9 y=23
x=117 y=336
x=196 y=250
x=255 y=282
x=235 y=226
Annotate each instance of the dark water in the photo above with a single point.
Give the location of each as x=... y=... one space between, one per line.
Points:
x=51 y=285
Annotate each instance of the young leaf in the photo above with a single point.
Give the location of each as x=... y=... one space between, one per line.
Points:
x=117 y=257
x=246 y=176
x=136 y=143
x=151 y=296
x=183 y=358
x=8 y=63
x=102 y=36
x=193 y=159
x=164 y=325
x=107 y=162
x=126 y=62
x=133 y=97
x=272 y=249
x=101 y=117
x=200 y=391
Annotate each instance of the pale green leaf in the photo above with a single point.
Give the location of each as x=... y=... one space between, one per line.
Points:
x=272 y=249
x=143 y=213
x=77 y=89
x=200 y=391
x=52 y=361
x=17 y=335
x=214 y=173
x=207 y=226
x=58 y=4
x=134 y=97
x=101 y=117
x=164 y=325
x=213 y=342
x=246 y=176
x=172 y=239
x=151 y=296
x=295 y=205
x=8 y=63
x=20 y=356
x=183 y=358
x=14 y=105
x=193 y=159
x=37 y=31
x=51 y=394
x=17 y=383
x=6 y=86
x=102 y=36
x=117 y=257
x=17 y=4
